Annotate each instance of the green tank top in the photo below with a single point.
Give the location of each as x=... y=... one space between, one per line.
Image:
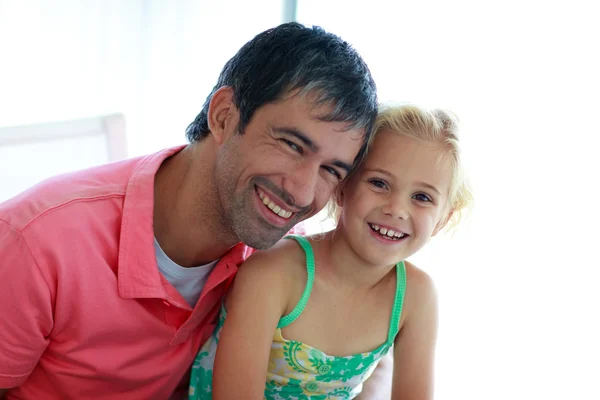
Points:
x=297 y=370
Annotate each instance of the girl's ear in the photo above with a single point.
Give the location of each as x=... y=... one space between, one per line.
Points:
x=442 y=223
x=339 y=196
x=340 y=191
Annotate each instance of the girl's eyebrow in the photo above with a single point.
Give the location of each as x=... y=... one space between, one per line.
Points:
x=428 y=186
x=383 y=171
x=419 y=183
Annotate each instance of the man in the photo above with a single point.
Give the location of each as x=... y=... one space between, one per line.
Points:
x=112 y=277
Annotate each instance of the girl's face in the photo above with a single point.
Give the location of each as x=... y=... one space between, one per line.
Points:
x=397 y=200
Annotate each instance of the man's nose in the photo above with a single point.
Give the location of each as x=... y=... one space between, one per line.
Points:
x=301 y=184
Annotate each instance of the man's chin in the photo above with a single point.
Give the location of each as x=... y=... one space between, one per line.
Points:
x=260 y=244
x=261 y=240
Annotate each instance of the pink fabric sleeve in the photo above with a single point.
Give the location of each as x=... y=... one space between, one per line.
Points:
x=25 y=309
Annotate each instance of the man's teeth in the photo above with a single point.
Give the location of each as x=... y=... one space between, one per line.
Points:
x=274 y=207
x=387 y=232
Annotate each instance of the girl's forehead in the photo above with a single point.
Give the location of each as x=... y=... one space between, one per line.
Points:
x=403 y=156
x=389 y=146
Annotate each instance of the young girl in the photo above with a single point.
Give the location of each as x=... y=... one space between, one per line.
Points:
x=312 y=317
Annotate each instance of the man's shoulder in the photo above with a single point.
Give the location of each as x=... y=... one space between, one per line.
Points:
x=64 y=192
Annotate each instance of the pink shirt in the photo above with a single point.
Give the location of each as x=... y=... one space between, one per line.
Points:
x=84 y=311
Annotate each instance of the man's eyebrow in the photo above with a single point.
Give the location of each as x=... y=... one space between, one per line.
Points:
x=345 y=166
x=310 y=144
x=298 y=135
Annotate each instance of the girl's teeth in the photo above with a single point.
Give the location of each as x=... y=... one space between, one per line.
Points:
x=387 y=232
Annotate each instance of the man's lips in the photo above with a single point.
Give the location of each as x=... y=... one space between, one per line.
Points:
x=273 y=204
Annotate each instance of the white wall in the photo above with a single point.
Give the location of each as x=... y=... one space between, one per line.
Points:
x=518 y=282
x=155 y=61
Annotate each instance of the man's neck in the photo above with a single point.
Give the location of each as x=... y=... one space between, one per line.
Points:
x=188 y=221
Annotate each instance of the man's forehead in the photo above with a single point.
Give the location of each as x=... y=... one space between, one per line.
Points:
x=317 y=107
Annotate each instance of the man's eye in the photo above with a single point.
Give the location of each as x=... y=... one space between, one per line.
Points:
x=333 y=172
x=422 y=197
x=293 y=146
x=378 y=183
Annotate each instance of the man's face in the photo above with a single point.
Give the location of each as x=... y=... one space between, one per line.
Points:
x=282 y=169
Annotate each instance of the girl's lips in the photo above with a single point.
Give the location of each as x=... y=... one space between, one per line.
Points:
x=385 y=230
x=385 y=238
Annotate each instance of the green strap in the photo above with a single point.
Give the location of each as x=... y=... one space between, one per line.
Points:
x=398 y=302
x=310 y=269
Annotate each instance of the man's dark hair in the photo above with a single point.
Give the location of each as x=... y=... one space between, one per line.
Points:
x=294 y=57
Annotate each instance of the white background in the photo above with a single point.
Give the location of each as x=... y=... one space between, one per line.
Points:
x=518 y=281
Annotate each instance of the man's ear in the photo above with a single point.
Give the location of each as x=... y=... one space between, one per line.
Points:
x=442 y=223
x=223 y=116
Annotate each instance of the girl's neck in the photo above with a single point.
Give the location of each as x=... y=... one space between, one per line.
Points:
x=344 y=267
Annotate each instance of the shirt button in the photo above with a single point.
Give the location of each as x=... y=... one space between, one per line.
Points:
x=312 y=386
x=324 y=369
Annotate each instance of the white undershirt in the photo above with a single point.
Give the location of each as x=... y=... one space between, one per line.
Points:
x=189 y=282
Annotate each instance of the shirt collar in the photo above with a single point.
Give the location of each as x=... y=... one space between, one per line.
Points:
x=138 y=274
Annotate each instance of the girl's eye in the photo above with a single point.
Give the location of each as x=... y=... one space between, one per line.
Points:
x=378 y=183
x=422 y=197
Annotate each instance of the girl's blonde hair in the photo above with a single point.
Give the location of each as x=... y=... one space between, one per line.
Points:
x=437 y=127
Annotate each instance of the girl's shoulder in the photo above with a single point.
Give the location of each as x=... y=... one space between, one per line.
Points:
x=420 y=289
x=286 y=255
x=416 y=276
x=282 y=266
x=284 y=263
